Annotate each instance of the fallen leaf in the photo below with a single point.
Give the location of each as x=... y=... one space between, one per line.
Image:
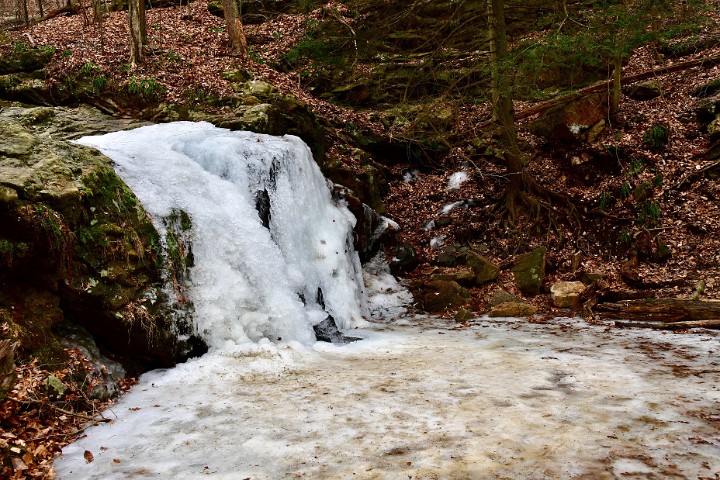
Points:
x=88 y=456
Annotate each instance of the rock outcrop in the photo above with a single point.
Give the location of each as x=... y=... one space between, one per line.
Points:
x=77 y=247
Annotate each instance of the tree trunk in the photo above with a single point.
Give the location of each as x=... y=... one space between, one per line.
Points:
x=236 y=34
x=503 y=111
x=615 y=97
x=41 y=10
x=136 y=17
x=24 y=11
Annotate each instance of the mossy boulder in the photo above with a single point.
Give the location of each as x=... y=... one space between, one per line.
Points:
x=76 y=246
x=439 y=295
x=484 y=270
x=24 y=58
x=529 y=271
x=644 y=90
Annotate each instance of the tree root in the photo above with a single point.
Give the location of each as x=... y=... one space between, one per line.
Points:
x=540 y=203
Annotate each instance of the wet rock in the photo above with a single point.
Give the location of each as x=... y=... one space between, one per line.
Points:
x=439 y=295
x=710 y=88
x=644 y=90
x=54 y=387
x=567 y=294
x=450 y=256
x=485 y=271
x=512 y=309
x=7 y=364
x=99 y=371
x=403 y=258
x=573 y=120
x=327 y=331
x=463 y=315
x=463 y=276
x=529 y=271
x=588 y=278
x=501 y=296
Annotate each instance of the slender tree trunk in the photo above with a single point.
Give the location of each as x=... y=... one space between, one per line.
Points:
x=236 y=34
x=24 y=11
x=615 y=97
x=135 y=20
x=41 y=11
x=503 y=111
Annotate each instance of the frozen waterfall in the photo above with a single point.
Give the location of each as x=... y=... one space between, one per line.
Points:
x=273 y=254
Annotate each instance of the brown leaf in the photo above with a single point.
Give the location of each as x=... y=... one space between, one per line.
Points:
x=88 y=456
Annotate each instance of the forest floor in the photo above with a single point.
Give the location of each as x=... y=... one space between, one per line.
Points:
x=188 y=53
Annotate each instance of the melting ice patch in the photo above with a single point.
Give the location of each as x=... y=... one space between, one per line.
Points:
x=271 y=277
x=502 y=399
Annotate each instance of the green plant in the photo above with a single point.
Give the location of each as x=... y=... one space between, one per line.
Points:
x=254 y=56
x=173 y=57
x=307 y=5
x=625 y=236
x=604 y=201
x=148 y=87
x=625 y=190
x=658 y=180
x=99 y=83
x=649 y=213
x=67 y=52
x=124 y=68
x=636 y=166
x=656 y=137
x=89 y=69
x=20 y=47
x=217 y=29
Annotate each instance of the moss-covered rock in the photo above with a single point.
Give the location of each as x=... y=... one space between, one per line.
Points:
x=529 y=271
x=76 y=246
x=24 y=58
x=439 y=295
x=485 y=271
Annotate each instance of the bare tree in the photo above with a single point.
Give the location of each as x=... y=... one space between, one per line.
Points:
x=238 y=43
x=138 y=35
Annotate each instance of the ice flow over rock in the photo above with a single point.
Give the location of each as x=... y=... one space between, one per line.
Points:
x=273 y=253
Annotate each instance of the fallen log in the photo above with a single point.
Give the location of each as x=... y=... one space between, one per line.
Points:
x=661 y=310
x=683 y=325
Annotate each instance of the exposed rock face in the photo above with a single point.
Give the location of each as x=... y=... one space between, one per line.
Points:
x=529 y=271
x=76 y=246
x=567 y=294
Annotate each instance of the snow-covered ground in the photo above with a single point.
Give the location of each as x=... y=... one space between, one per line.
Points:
x=418 y=399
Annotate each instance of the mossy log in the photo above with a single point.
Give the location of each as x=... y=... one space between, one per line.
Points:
x=661 y=310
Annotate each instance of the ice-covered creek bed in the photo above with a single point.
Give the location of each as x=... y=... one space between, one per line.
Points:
x=417 y=399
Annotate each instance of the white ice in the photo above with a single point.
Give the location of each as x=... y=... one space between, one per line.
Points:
x=457 y=179
x=247 y=279
x=502 y=399
x=451 y=206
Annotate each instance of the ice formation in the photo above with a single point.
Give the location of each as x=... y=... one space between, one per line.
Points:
x=457 y=179
x=273 y=253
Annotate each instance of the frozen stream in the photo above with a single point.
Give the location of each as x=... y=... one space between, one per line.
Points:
x=502 y=399
x=273 y=256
